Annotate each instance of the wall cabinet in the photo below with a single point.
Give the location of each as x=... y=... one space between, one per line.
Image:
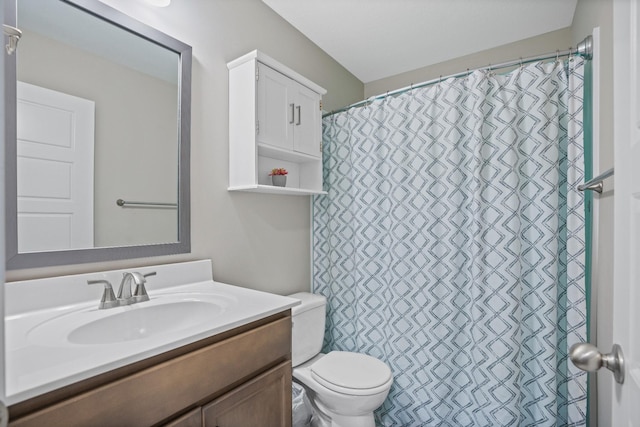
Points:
x=275 y=121
x=232 y=380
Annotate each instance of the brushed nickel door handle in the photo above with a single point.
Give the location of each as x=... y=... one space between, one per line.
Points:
x=587 y=357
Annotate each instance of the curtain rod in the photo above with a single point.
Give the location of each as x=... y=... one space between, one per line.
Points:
x=584 y=49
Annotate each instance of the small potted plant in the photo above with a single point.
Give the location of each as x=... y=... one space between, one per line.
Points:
x=279 y=177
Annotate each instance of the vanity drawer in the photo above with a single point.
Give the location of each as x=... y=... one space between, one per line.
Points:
x=156 y=393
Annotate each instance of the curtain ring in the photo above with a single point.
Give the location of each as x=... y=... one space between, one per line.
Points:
x=558 y=55
x=570 y=54
x=521 y=64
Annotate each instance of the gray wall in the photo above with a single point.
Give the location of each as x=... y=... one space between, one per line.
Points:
x=255 y=240
x=549 y=42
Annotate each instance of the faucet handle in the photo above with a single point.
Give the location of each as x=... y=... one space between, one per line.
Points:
x=108 y=299
x=140 y=293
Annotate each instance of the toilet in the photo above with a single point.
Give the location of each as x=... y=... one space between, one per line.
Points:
x=344 y=388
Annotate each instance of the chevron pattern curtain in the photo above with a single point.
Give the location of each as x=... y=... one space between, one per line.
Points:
x=451 y=245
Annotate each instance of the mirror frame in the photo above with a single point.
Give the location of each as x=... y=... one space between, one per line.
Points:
x=16 y=260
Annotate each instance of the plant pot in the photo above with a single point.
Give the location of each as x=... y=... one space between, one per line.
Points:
x=279 y=180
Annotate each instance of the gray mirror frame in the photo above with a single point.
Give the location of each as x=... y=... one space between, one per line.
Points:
x=17 y=260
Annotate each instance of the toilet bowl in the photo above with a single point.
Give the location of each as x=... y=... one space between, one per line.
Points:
x=344 y=388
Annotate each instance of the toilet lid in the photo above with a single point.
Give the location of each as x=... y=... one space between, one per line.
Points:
x=350 y=370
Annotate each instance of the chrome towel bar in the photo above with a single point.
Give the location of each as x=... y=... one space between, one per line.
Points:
x=595 y=184
x=124 y=203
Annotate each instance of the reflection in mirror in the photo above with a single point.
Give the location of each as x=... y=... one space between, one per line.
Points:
x=102 y=107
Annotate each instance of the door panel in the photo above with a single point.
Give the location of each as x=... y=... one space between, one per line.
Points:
x=275 y=108
x=55 y=134
x=264 y=401
x=307 y=136
x=626 y=288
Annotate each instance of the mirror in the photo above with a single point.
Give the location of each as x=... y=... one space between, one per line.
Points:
x=98 y=118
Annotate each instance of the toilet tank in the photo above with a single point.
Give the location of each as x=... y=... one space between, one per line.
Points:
x=308 y=321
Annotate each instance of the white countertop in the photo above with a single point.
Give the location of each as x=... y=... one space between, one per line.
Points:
x=38 y=365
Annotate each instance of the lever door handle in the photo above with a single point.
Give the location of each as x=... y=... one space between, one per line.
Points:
x=587 y=357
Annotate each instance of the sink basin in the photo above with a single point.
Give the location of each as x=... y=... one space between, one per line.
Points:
x=143 y=322
x=160 y=316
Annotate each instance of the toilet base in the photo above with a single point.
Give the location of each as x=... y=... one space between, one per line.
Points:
x=323 y=417
x=361 y=421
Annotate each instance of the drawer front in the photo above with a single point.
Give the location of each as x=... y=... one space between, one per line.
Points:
x=154 y=394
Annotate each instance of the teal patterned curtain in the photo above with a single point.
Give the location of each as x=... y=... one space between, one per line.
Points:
x=451 y=246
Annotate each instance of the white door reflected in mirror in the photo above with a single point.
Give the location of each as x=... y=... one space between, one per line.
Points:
x=55 y=134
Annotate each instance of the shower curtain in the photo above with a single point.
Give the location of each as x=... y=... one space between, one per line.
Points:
x=451 y=245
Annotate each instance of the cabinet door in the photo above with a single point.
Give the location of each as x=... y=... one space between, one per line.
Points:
x=264 y=401
x=190 y=419
x=307 y=122
x=276 y=108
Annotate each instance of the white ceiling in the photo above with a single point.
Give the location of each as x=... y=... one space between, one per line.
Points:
x=375 y=39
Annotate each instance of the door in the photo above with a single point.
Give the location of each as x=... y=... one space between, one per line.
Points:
x=55 y=134
x=276 y=108
x=4 y=415
x=307 y=123
x=626 y=286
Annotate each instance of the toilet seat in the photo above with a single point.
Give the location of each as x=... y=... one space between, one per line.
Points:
x=352 y=373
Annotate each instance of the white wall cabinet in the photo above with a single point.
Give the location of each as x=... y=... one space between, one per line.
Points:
x=275 y=121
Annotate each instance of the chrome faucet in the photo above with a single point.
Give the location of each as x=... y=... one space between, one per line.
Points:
x=125 y=296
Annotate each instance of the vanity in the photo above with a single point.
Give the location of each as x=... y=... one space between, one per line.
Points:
x=221 y=354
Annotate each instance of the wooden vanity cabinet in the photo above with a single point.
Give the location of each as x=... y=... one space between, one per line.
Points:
x=239 y=378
